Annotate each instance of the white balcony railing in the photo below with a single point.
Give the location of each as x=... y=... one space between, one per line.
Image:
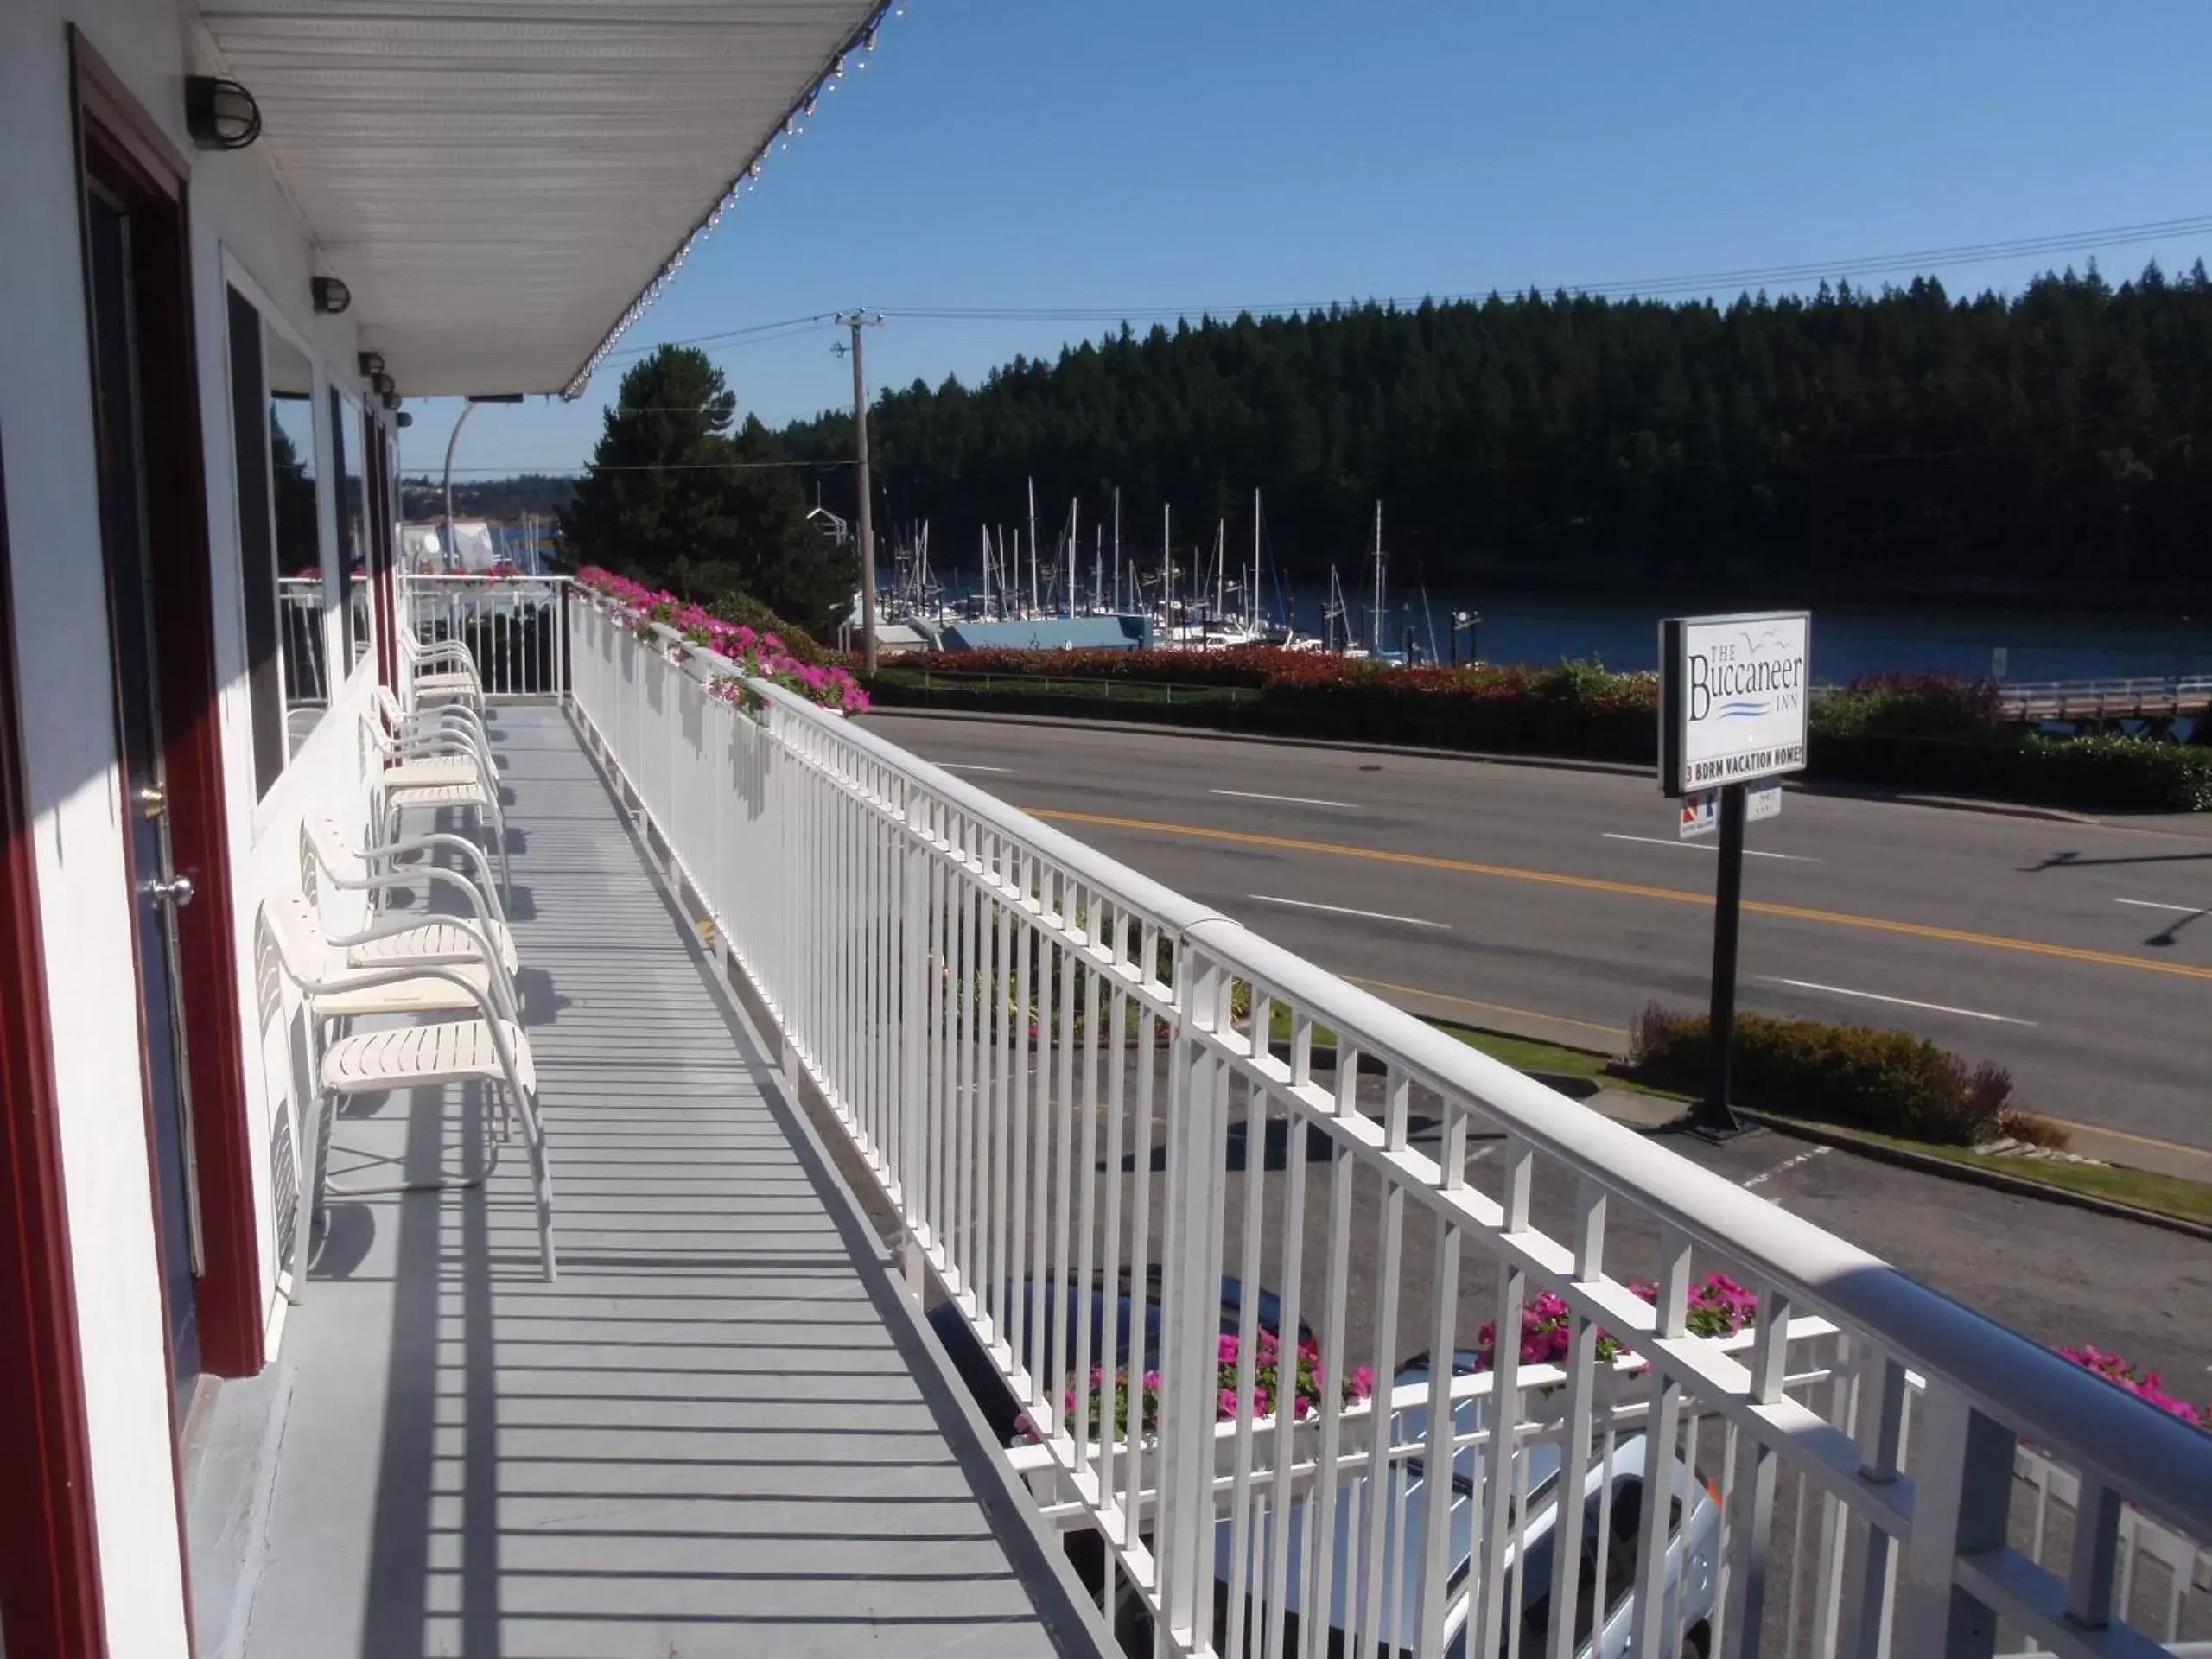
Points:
x=512 y=624
x=1063 y=1074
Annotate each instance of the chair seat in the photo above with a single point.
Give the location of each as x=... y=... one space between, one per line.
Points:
x=439 y=942
x=435 y=794
x=430 y=772
x=430 y=993
x=445 y=680
x=439 y=696
x=408 y=1056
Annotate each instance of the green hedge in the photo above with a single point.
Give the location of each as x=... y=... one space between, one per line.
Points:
x=1887 y=1082
x=2106 y=772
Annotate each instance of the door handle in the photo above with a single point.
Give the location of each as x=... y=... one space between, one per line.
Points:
x=176 y=893
x=154 y=800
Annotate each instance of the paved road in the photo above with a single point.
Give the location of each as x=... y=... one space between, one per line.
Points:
x=2080 y=956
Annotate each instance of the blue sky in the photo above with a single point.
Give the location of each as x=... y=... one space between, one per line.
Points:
x=1001 y=154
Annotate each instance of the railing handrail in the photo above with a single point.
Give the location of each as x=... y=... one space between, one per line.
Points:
x=1162 y=903
x=2161 y=1463
x=517 y=577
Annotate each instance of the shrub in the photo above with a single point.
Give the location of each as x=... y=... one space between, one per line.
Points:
x=2120 y=774
x=760 y=656
x=1909 y=705
x=747 y=612
x=1888 y=1082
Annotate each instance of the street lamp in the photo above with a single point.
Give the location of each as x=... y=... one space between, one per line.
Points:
x=475 y=398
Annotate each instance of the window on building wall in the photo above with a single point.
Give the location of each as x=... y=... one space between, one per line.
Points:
x=272 y=406
x=349 y=452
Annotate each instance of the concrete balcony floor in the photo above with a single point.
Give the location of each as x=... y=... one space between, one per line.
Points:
x=722 y=1431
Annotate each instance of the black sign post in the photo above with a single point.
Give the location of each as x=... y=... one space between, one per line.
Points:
x=1732 y=694
x=1714 y=1118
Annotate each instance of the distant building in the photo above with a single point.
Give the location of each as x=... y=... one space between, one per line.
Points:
x=838 y=530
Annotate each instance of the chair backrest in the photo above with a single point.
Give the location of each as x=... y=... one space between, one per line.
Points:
x=297 y=933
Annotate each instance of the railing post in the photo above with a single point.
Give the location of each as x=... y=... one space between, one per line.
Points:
x=1184 y=1532
x=1961 y=1505
x=914 y=991
x=1869 y=1560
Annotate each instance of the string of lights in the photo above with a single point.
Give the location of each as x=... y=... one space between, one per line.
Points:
x=856 y=48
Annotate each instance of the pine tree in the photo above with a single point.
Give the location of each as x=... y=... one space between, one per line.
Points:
x=675 y=500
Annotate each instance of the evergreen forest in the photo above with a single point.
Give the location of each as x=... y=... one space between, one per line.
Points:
x=1851 y=441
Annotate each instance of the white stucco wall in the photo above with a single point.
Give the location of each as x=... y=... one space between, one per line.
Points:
x=238 y=211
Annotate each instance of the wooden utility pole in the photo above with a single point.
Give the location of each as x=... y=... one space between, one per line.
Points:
x=857 y=321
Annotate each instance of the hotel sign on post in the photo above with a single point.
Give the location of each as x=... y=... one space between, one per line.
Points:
x=1733 y=695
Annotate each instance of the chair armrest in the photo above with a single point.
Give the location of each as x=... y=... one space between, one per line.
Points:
x=486 y=889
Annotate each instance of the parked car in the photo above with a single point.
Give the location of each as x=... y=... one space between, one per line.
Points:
x=1692 y=1546
x=1605 y=1614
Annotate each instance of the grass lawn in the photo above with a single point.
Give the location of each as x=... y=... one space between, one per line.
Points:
x=2166 y=1195
x=1521 y=1053
x=2169 y=1195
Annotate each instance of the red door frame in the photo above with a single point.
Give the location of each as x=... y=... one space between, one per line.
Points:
x=119 y=145
x=49 y=1551
x=383 y=550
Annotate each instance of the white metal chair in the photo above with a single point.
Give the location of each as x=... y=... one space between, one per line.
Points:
x=328 y=856
x=489 y=1049
x=404 y=775
x=441 y=671
x=454 y=726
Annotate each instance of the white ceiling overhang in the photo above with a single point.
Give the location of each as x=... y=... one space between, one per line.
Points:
x=504 y=184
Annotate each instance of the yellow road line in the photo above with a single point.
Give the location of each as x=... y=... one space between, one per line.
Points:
x=1629 y=889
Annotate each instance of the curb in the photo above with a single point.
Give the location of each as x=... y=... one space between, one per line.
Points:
x=1840 y=790
x=1973 y=1174
x=1484 y=757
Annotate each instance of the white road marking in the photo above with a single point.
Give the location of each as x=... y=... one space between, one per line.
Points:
x=1295 y=800
x=1709 y=847
x=1340 y=910
x=1783 y=1167
x=957 y=765
x=2152 y=904
x=1901 y=1001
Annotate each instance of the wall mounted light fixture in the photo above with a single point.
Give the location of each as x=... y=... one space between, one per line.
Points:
x=331 y=295
x=371 y=363
x=385 y=383
x=219 y=114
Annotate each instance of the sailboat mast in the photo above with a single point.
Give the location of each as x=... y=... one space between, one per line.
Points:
x=1166 y=567
x=1074 y=510
x=1377 y=627
x=1255 y=594
x=1222 y=567
x=1118 y=547
x=1033 y=605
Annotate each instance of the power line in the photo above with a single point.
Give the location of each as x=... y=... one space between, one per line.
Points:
x=796 y=325
x=1864 y=265
x=1966 y=253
